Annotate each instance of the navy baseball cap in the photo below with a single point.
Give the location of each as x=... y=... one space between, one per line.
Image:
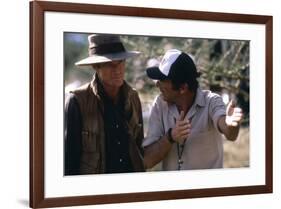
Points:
x=176 y=66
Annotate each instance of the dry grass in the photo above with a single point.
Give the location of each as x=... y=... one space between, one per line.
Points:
x=236 y=154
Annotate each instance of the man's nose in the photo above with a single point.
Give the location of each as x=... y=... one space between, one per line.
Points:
x=117 y=68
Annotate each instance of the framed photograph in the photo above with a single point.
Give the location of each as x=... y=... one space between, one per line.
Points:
x=233 y=52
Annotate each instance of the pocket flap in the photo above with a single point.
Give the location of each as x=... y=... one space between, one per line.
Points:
x=89 y=141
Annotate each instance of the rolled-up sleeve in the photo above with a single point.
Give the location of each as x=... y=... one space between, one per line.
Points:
x=155 y=124
x=217 y=109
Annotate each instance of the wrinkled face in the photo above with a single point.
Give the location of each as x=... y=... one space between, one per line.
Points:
x=169 y=94
x=111 y=74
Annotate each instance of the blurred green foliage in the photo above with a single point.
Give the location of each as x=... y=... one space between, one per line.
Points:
x=224 y=64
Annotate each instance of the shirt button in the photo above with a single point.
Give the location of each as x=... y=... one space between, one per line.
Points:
x=118 y=142
x=117 y=126
x=120 y=160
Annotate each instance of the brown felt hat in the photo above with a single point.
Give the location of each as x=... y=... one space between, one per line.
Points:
x=105 y=48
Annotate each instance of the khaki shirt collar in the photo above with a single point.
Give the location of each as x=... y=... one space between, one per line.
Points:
x=200 y=99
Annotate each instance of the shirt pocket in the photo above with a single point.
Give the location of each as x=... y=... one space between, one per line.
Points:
x=90 y=141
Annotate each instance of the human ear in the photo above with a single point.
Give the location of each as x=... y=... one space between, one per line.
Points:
x=183 y=88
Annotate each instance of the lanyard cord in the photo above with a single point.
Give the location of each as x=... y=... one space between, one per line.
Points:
x=180 y=148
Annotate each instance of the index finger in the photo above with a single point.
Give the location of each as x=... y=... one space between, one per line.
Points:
x=181 y=117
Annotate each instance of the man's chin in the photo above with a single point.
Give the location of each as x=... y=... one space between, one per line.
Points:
x=166 y=100
x=163 y=97
x=117 y=83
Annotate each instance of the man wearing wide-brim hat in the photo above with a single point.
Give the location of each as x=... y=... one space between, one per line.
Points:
x=104 y=125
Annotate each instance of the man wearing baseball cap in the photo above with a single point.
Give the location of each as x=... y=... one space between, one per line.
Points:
x=103 y=118
x=186 y=123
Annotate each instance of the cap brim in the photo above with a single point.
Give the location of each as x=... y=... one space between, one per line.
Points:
x=106 y=58
x=155 y=73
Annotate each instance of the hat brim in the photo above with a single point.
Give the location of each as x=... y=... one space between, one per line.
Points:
x=106 y=58
x=155 y=73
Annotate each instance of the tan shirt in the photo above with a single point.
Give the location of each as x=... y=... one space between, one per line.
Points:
x=203 y=148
